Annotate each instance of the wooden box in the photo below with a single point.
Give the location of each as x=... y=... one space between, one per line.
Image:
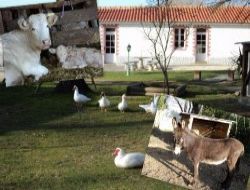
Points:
x=208 y=126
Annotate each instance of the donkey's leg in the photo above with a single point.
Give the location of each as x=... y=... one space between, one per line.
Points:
x=231 y=163
x=196 y=172
x=227 y=182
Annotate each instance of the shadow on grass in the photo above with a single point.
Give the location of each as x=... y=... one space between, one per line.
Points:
x=62 y=127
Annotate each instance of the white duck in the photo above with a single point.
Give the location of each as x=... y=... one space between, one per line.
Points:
x=128 y=160
x=104 y=102
x=79 y=99
x=152 y=107
x=123 y=105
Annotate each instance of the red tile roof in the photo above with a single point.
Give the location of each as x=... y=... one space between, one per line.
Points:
x=176 y=14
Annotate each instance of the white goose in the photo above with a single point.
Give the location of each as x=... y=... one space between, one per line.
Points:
x=123 y=105
x=79 y=99
x=152 y=107
x=104 y=103
x=128 y=160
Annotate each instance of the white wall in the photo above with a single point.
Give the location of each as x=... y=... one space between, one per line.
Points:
x=221 y=51
x=185 y=55
x=223 y=39
x=133 y=35
x=141 y=46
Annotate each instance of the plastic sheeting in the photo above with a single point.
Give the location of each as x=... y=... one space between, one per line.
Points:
x=175 y=106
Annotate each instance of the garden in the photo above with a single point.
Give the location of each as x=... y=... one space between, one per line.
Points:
x=46 y=144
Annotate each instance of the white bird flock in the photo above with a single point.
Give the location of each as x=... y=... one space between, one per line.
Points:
x=79 y=99
x=128 y=160
x=152 y=106
x=104 y=102
x=123 y=105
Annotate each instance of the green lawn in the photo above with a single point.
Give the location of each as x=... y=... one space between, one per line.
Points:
x=155 y=76
x=46 y=144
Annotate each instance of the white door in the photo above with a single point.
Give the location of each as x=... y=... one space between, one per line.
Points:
x=110 y=46
x=248 y=70
x=201 y=45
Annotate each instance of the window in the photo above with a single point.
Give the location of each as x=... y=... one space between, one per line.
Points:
x=110 y=40
x=179 y=34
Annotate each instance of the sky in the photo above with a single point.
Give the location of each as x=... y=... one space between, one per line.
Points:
x=144 y=2
x=11 y=3
x=121 y=2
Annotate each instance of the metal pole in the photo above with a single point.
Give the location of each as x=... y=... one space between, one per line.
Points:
x=128 y=66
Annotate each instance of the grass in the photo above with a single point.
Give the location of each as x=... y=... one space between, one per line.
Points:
x=46 y=144
x=155 y=76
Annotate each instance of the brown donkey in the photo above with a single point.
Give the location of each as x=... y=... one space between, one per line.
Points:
x=207 y=150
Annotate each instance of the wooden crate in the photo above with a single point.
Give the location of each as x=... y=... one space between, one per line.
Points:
x=208 y=126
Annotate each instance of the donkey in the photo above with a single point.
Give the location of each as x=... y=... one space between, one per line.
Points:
x=207 y=150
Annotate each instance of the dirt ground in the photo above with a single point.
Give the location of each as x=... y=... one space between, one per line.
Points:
x=160 y=163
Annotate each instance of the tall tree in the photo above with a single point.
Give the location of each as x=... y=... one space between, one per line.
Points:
x=159 y=31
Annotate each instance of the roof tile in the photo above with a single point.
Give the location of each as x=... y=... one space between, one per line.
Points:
x=199 y=14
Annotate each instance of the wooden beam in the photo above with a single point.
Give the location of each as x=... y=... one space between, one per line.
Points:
x=247 y=78
x=76 y=37
x=77 y=15
x=230 y=75
x=244 y=71
x=197 y=75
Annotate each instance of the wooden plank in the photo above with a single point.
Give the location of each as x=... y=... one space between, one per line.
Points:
x=197 y=75
x=76 y=37
x=202 y=117
x=1 y=54
x=1 y=24
x=77 y=15
x=205 y=67
x=12 y=25
x=247 y=78
x=244 y=71
x=230 y=75
x=248 y=70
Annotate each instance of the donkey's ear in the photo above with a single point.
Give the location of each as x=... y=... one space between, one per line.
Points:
x=174 y=122
x=183 y=124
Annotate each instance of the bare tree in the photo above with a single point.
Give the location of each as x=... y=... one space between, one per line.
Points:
x=159 y=31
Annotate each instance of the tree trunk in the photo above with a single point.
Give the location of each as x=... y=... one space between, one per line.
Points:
x=166 y=82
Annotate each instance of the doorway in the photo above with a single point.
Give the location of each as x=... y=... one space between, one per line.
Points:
x=110 y=48
x=201 y=45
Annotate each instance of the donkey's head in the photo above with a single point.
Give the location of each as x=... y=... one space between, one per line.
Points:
x=178 y=135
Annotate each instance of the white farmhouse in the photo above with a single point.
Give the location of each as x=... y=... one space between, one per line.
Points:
x=200 y=34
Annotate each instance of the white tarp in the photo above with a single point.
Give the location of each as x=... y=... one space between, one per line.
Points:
x=175 y=106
